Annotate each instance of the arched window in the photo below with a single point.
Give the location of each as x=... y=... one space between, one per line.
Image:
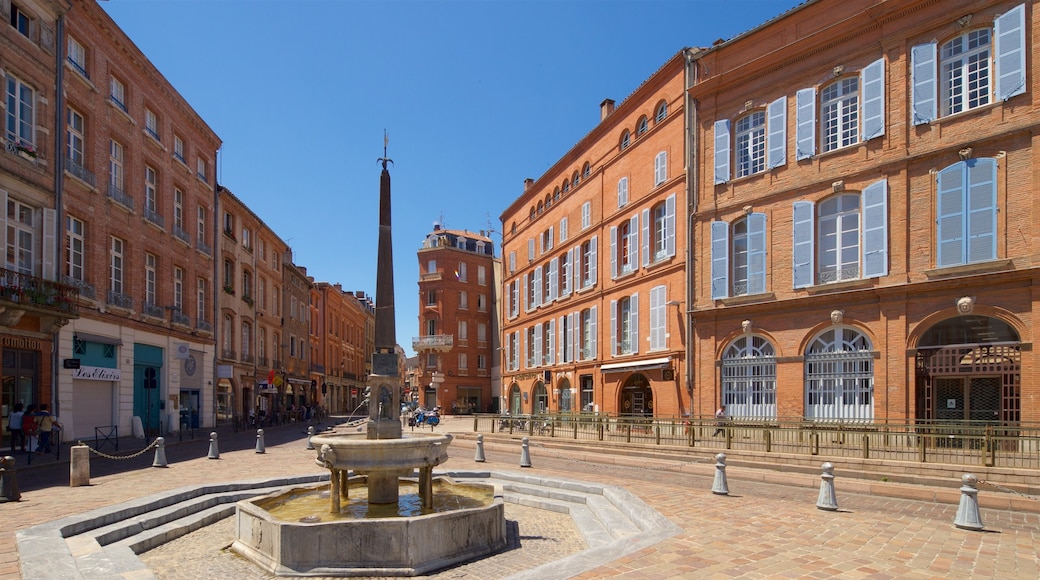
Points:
x=749 y=378
x=662 y=112
x=540 y=207
x=586 y=170
x=641 y=126
x=751 y=143
x=575 y=179
x=839 y=113
x=541 y=398
x=548 y=201
x=566 y=186
x=556 y=194
x=839 y=376
x=626 y=138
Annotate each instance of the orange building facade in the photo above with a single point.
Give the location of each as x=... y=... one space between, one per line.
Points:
x=594 y=268
x=338 y=355
x=864 y=236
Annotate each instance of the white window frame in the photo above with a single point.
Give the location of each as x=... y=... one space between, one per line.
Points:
x=150 y=265
x=75 y=128
x=151 y=124
x=115 y=270
x=117 y=93
x=178 y=288
x=963 y=61
x=750 y=143
x=115 y=165
x=75 y=242
x=586 y=215
x=78 y=57
x=200 y=299
x=839 y=113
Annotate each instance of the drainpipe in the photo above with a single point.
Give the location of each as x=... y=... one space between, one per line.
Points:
x=59 y=184
x=215 y=309
x=692 y=191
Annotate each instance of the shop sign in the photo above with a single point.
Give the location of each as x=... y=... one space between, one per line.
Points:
x=96 y=374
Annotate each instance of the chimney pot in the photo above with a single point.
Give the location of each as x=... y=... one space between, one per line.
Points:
x=606 y=108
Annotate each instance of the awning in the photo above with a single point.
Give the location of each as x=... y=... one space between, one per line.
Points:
x=300 y=381
x=88 y=337
x=637 y=365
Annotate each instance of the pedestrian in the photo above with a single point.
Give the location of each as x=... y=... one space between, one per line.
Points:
x=29 y=427
x=720 y=421
x=46 y=424
x=14 y=425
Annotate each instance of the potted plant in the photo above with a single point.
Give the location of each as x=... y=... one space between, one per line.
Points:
x=26 y=150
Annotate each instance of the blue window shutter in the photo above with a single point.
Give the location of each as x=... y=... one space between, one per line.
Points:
x=613 y=252
x=669 y=225
x=592 y=331
x=633 y=324
x=873 y=81
x=592 y=261
x=633 y=241
x=721 y=151
x=613 y=342
x=805 y=121
x=777 y=152
x=950 y=215
x=922 y=79
x=1010 y=33
x=646 y=238
x=756 y=253
x=803 y=249
x=982 y=210
x=719 y=260
x=875 y=230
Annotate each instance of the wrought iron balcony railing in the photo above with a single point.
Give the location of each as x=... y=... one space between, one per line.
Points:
x=180 y=318
x=38 y=292
x=79 y=172
x=203 y=247
x=433 y=342
x=228 y=354
x=204 y=326
x=120 y=300
x=152 y=216
x=119 y=196
x=86 y=290
x=153 y=310
x=181 y=235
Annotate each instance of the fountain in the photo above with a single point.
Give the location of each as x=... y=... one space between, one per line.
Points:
x=379 y=457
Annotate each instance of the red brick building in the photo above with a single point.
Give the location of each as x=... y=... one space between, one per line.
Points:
x=594 y=268
x=865 y=231
x=338 y=354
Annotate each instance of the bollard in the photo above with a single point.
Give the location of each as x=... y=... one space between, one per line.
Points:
x=310 y=433
x=260 y=441
x=160 y=452
x=214 y=452
x=827 y=500
x=525 y=453
x=968 y=516
x=719 y=486
x=79 y=465
x=480 y=450
x=8 y=480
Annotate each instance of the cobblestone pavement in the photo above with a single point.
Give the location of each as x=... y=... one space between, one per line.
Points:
x=759 y=530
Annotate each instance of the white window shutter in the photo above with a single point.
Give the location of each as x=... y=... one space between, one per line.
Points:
x=538 y=287
x=803 y=250
x=577 y=282
x=633 y=324
x=777 y=151
x=614 y=343
x=552 y=341
x=554 y=279
x=873 y=82
x=719 y=260
x=875 y=230
x=622 y=192
x=592 y=331
x=50 y=225
x=805 y=123
x=633 y=240
x=551 y=238
x=537 y=354
x=722 y=151
x=646 y=238
x=527 y=307
x=669 y=225
x=661 y=168
x=613 y=252
x=530 y=249
x=982 y=209
x=1010 y=32
x=922 y=82
x=756 y=253
x=950 y=215
x=563 y=229
x=568 y=274
x=592 y=261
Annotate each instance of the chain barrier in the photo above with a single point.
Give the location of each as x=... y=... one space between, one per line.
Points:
x=1008 y=490
x=620 y=467
x=131 y=456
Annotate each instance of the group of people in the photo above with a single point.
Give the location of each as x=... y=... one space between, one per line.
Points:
x=31 y=428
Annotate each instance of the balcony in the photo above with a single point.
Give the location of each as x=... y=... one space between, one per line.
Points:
x=85 y=290
x=261 y=361
x=117 y=195
x=153 y=310
x=21 y=293
x=178 y=317
x=247 y=358
x=316 y=368
x=228 y=354
x=79 y=172
x=152 y=216
x=430 y=277
x=436 y=342
x=120 y=300
x=203 y=246
x=204 y=326
x=180 y=234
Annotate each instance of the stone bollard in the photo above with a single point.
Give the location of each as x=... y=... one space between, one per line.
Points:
x=310 y=433
x=525 y=453
x=827 y=500
x=8 y=480
x=214 y=451
x=968 y=516
x=160 y=452
x=79 y=465
x=480 y=450
x=260 y=441
x=719 y=485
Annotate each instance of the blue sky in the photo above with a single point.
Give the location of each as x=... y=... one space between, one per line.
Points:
x=476 y=96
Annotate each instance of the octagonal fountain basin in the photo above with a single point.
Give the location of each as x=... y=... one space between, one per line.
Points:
x=293 y=534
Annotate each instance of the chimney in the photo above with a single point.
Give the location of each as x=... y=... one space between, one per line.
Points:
x=606 y=108
x=527 y=184
x=436 y=226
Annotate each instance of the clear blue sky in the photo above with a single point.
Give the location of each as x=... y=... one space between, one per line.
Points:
x=476 y=96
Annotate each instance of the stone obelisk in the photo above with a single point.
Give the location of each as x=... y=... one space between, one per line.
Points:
x=384 y=405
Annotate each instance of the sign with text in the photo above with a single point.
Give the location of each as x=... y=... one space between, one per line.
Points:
x=96 y=373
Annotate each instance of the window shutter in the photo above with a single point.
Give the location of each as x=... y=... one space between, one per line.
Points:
x=633 y=324
x=3 y=204
x=592 y=262
x=756 y=253
x=875 y=230
x=719 y=260
x=922 y=79
x=777 y=152
x=554 y=280
x=550 y=239
x=633 y=241
x=661 y=168
x=566 y=337
x=530 y=249
x=563 y=229
x=647 y=242
x=982 y=209
x=552 y=342
x=950 y=215
x=803 y=243
x=527 y=308
x=525 y=357
x=658 y=322
x=805 y=124
x=536 y=358
x=622 y=192
x=873 y=81
x=577 y=283
x=594 y=340
x=669 y=225
x=50 y=224
x=613 y=252
x=567 y=274
x=614 y=342
x=516 y=350
x=1009 y=30
x=721 y=151
x=537 y=287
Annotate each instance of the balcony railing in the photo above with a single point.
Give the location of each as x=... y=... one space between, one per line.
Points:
x=80 y=172
x=180 y=318
x=261 y=361
x=204 y=326
x=247 y=358
x=181 y=235
x=227 y=353
x=316 y=368
x=433 y=342
x=117 y=195
x=153 y=310
x=203 y=246
x=152 y=216
x=85 y=290
x=120 y=300
x=430 y=277
x=33 y=291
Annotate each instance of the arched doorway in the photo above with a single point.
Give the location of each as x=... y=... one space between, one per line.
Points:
x=637 y=398
x=839 y=376
x=541 y=399
x=969 y=369
x=514 y=400
x=566 y=398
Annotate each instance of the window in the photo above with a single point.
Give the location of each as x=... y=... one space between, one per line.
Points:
x=20 y=111
x=587 y=255
x=839 y=376
x=463 y=330
x=178 y=288
x=117 y=93
x=658 y=317
x=200 y=299
x=751 y=143
x=149 y=278
x=575 y=179
x=662 y=112
x=463 y=300
x=20 y=20
x=461 y=273
x=512 y=261
x=563 y=229
x=846 y=234
x=463 y=361
x=229 y=225
x=431 y=327
x=149 y=192
x=622 y=192
x=564 y=282
x=247 y=339
x=659 y=231
x=556 y=197
x=431 y=267
x=178 y=148
x=548 y=350
x=261 y=251
x=482 y=275
x=75 y=232
x=481 y=362
x=115 y=166
x=660 y=168
x=587 y=334
x=586 y=215
x=749 y=378
x=201 y=224
x=247 y=285
x=481 y=332
x=21 y=236
x=839 y=114
x=75 y=128
x=200 y=169
x=530 y=249
x=514 y=298
x=178 y=210
x=852 y=110
x=641 y=126
x=151 y=124
x=261 y=293
x=431 y=297
x=586 y=170
x=229 y=276
x=624 y=325
x=624 y=247
x=115 y=272
x=482 y=302
x=228 y=335
x=738 y=257
x=625 y=139
x=532 y=347
x=247 y=239
x=966 y=206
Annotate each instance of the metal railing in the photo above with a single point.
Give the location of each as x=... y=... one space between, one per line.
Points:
x=180 y=234
x=203 y=247
x=180 y=318
x=86 y=290
x=958 y=443
x=154 y=217
x=204 y=325
x=31 y=290
x=79 y=172
x=119 y=299
x=153 y=310
x=119 y=196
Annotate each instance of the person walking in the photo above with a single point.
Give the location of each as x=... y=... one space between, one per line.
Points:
x=29 y=427
x=720 y=421
x=45 y=423
x=14 y=425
